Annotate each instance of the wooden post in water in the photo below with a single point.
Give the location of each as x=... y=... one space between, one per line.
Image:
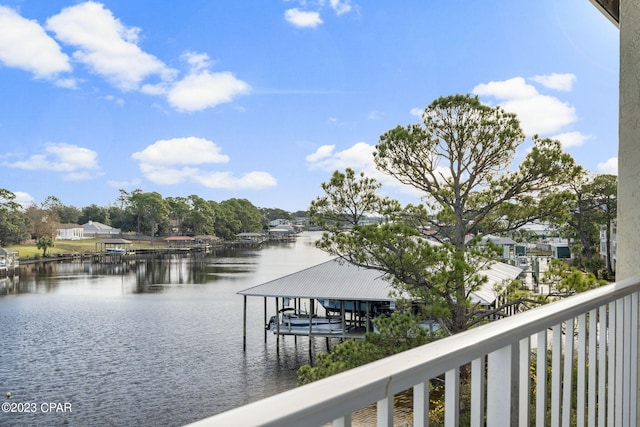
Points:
x=368 y=323
x=277 y=328
x=296 y=307
x=342 y=315
x=266 y=319
x=244 y=325
x=311 y=314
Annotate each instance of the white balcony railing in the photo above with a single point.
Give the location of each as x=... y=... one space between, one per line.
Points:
x=588 y=375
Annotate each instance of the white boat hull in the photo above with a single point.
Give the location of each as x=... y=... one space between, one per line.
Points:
x=297 y=323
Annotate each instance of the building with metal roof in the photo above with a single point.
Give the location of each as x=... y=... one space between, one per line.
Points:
x=336 y=280
x=330 y=280
x=97 y=229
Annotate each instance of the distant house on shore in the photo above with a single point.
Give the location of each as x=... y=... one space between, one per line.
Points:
x=69 y=232
x=96 y=229
x=509 y=246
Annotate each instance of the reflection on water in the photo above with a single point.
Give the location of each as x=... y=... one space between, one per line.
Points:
x=149 y=342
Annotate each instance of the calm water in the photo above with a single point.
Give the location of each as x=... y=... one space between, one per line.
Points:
x=155 y=343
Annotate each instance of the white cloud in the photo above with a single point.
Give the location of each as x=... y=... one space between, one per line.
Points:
x=375 y=115
x=75 y=163
x=165 y=175
x=541 y=114
x=116 y=100
x=182 y=151
x=340 y=7
x=418 y=112
x=571 y=139
x=197 y=61
x=204 y=90
x=78 y=176
x=321 y=153
x=301 y=18
x=538 y=114
x=25 y=45
x=67 y=83
x=562 y=82
x=24 y=199
x=311 y=18
x=514 y=88
x=154 y=89
x=358 y=157
x=106 y=46
x=609 y=166
x=124 y=184
x=110 y=50
x=225 y=180
x=179 y=160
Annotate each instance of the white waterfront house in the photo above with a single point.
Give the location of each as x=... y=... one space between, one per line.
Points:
x=69 y=232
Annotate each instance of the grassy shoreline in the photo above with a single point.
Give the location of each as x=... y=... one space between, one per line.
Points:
x=30 y=251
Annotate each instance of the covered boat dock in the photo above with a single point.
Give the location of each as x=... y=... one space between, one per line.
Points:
x=356 y=294
x=330 y=281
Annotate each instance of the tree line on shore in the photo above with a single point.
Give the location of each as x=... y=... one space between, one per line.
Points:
x=143 y=213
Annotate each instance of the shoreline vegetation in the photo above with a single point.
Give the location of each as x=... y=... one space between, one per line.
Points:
x=62 y=249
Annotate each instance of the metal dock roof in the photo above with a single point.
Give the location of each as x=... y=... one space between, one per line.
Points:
x=343 y=281
x=330 y=280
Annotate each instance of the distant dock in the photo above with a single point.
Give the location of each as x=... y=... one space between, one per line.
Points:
x=9 y=264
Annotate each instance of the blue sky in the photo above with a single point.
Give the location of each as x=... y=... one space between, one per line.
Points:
x=264 y=99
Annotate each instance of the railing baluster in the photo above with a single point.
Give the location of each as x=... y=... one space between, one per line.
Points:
x=421 y=404
x=626 y=375
x=619 y=382
x=525 y=382
x=602 y=366
x=452 y=398
x=633 y=398
x=592 y=386
x=385 y=412
x=582 y=369
x=342 y=422
x=499 y=374
x=611 y=359
x=567 y=382
x=556 y=374
x=477 y=392
x=541 y=375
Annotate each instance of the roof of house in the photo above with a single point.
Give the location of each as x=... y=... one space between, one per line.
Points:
x=343 y=281
x=497 y=240
x=96 y=226
x=68 y=226
x=497 y=273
